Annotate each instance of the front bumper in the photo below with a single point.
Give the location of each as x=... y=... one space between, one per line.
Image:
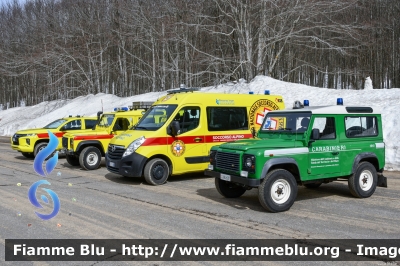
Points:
x=67 y=151
x=235 y=179
x=22 y=148
x=130 y=166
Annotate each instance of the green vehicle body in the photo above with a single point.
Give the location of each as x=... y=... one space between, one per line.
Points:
x=304 y=146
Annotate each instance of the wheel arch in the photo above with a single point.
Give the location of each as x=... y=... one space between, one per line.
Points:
x=288 y=164
x=365 y=157
x=161 y=156
x=41 y=141
x=94 y=143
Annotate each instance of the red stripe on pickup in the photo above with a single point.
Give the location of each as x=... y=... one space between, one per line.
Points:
x=46 y=135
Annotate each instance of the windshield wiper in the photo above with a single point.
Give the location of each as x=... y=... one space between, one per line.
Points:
x=285 y=128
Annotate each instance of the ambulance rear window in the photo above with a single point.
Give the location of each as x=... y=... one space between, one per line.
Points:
x=227 y=118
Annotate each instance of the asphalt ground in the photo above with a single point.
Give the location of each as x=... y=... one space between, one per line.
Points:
x=101 y=205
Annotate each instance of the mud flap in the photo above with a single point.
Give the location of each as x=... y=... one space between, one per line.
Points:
x=382 y=181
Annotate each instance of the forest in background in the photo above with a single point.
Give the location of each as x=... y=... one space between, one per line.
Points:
x=61 y=49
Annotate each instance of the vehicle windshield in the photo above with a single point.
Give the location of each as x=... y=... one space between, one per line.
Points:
x=293 y=122
x=106 y=120
x=155 y=117
x=55 y=124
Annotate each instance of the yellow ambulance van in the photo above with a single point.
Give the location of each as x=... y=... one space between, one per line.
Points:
x=175 y=135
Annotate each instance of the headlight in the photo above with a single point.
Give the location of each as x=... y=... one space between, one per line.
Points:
x=249 y=162
x=213 y=161
x=30 y=135
x=134 y=146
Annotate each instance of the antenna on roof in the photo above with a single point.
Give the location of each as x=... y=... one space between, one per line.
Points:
x=102 y=105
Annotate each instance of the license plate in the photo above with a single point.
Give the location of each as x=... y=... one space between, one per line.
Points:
x=225 y=177
x=112 y=164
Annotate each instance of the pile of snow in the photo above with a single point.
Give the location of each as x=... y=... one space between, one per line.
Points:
x=368 y=84
x=385 y=101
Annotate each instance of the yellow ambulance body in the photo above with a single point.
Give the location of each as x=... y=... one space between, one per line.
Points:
x=175 y=135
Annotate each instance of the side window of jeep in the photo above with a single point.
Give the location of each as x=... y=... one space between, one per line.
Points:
x=360 y=126
x=121 y=124
x=73 y=125
x=90 y=123
x=326 y=126
x=227 y=118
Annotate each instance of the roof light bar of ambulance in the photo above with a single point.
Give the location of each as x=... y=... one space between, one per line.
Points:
x=306 y=103
x=117 y=109
x=339 y=101
x=251 y=92
x=266 y=92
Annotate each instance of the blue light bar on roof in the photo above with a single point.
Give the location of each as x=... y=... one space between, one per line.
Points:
x=116 y=109
x=251 y=92
x=266 y=92
x=339 y=101
x=306 y=103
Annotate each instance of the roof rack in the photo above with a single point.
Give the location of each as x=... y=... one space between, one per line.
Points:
x=140 y=105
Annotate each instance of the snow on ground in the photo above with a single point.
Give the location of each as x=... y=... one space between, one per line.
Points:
x=386 y=101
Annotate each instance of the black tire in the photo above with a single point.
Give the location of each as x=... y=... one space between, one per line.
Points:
x=283 y=186
x=362 y=183
x=40 y=146
x=156 y=172
x=90 y=158
x=72 y=160
x=229 y=189
x=28 y=155
x=313 y=185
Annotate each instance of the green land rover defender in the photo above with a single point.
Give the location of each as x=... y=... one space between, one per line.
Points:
x=304 y=146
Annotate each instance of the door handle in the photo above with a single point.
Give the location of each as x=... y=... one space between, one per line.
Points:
x=198 y=139
x=335 y=153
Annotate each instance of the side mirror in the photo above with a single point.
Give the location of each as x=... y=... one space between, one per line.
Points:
x=315 y=134
x=174 y=128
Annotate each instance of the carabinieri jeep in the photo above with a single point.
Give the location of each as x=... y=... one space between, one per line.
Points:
x=305 y=146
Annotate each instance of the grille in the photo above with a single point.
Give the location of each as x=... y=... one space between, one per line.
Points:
x=228 y=161
x=64 y=142
x=115 y=153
